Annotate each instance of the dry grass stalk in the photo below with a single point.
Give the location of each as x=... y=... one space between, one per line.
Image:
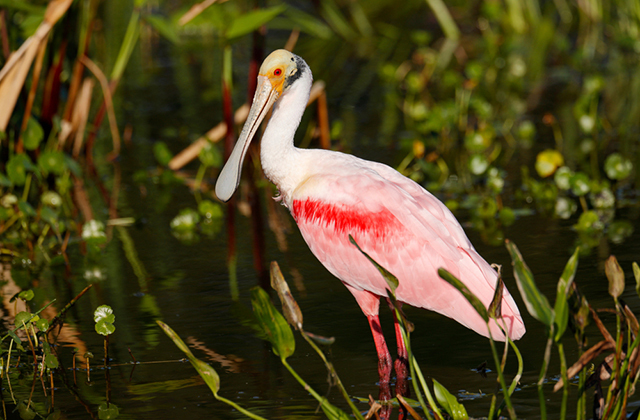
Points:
x=106 y=91
x=15 y=71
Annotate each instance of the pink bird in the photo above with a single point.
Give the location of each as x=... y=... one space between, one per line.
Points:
x=332 y=195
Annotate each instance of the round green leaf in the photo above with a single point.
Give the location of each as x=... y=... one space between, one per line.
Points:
x=617 y=167
x=105 y=328
x=33 y=135
x=210 y=210
x=580 y=184
x=562 y=178
x=52 y=161
x=186 y=220
x=26 y=295
x=42 y=324
x=108 y=411
x=17 y=168
x=22 y=318
x=210 y=155
x=104 y=313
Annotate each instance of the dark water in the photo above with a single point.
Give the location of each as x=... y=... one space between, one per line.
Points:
x=187 y=286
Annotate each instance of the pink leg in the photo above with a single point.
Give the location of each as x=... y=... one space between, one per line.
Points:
x=384 y=365
x=384 y=358
x=401 y=364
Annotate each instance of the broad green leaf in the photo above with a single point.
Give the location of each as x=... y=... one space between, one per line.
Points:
x=536 y=303
x=473 y=299
x=105 y=328
x=162 y=153
x=108 y=411
x=164 y=28
x=615 y=275
x=561 y=308
x=207 y=373
x=309 y=23
x=52 y=161
x=617 y=167
x=5 y=181
x=392 y=281
x=33 y=135
x=449 y=402
x=26 y=411
x=17 y=168
x=42 y=324
x=253 y=20
x=272 y=323
x=210 y=156
x=22 y=318
x=26 y=295
x=210 y=210
x=290 y=307
x=176 y=339
x=104 y=313
x=50 y=360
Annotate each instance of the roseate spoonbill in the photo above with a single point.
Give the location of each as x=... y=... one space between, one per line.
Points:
x=332 y=195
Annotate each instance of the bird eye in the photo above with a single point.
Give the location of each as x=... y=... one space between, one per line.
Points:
x=277 y=72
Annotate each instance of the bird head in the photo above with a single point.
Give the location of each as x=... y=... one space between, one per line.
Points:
x=277 y=73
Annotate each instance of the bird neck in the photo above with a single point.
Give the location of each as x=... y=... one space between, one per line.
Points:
x=277 y=151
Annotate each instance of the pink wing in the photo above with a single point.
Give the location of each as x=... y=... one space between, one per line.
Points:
x=405 y=229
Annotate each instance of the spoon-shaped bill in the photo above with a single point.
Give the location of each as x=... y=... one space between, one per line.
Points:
x=229 y=177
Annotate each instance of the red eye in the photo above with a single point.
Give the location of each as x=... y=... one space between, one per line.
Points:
x=277 y=72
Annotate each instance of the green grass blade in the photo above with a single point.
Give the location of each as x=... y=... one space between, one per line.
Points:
x=561 y=308
x=536 y=303
x=272 y=323
x=473 y=299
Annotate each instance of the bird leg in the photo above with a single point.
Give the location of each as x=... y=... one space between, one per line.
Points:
x=401 y=364
x=384 y=358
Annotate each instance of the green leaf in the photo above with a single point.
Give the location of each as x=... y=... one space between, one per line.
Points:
x=52 y=161
x=561 y=308
x=210 y=156
x=253 y=20
x=210 y=210
x=392 y=281
x=108 y=411
x=536 y=303
x=164 y=28
x=42 y=324
x=162 y=153
x=272 y=323
x=207 y=373
x=105 y=328
x=33 y=135
x=5 y=181
x=50 y=360
x=449 y=402
x=104 y=313
x=26 y=295
x=22 y=318
x=17 y=168
x=473 y=299
x=615 y=275
x=617 y=167
x=309 y=24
